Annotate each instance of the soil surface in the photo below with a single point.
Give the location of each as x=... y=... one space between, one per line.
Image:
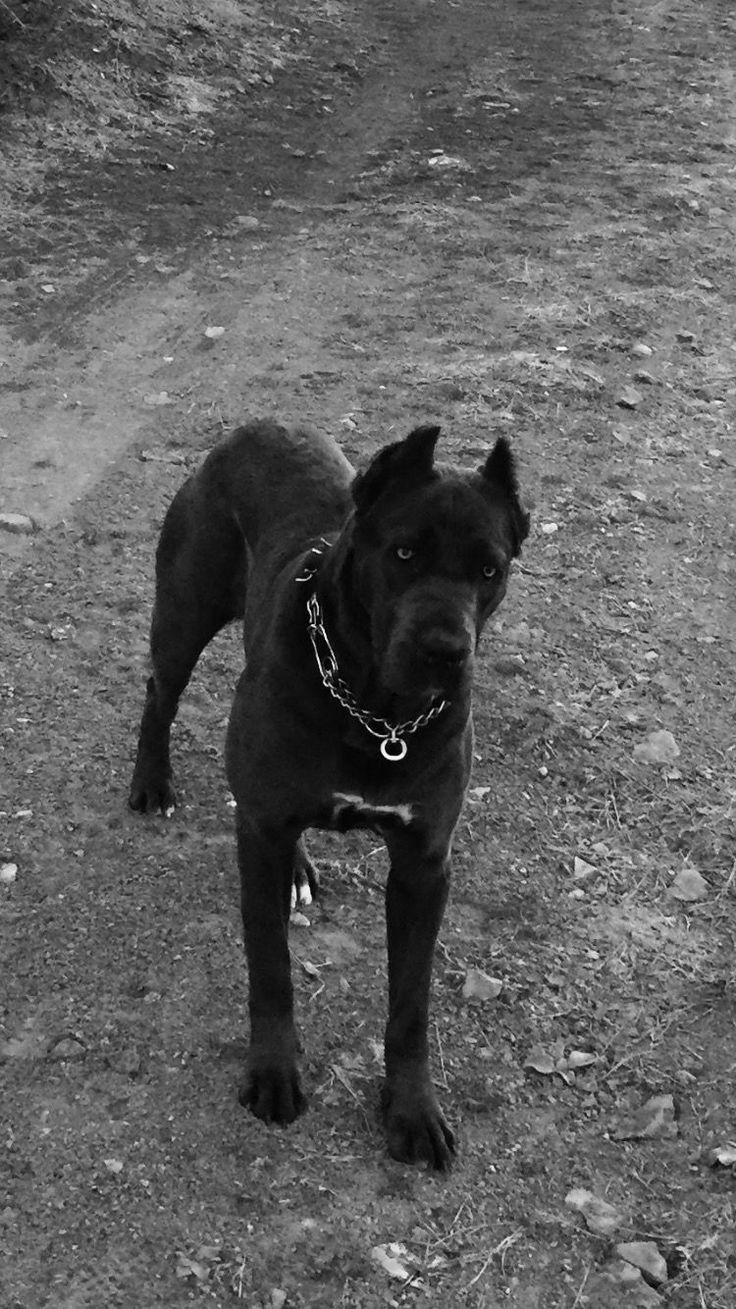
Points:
x=511 y=218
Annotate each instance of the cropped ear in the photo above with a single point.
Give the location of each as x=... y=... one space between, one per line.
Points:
x=500 y=471
x=410 y=460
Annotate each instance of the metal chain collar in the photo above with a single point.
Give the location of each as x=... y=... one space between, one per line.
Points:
x=391 y=735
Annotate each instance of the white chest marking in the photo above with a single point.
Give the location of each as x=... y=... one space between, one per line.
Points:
x=373 y=813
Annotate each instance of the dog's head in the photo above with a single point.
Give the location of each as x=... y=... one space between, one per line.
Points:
x=434 y=547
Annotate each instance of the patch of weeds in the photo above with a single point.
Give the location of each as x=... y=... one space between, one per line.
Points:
x=29 y=37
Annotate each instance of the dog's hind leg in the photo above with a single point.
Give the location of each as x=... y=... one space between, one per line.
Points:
x=200 y=587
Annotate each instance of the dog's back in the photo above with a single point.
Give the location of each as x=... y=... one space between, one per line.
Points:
x=262 y=493
x=283 y=484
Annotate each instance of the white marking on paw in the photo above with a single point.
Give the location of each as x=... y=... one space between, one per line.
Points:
x=300 y=894
x=305 y=895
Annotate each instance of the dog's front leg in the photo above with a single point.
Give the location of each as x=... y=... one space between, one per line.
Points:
x=416 y=895
x=271 y=1087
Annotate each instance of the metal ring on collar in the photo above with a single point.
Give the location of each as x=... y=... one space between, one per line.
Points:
x=398 y=749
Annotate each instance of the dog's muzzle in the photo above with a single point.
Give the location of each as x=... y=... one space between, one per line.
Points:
x=445 y=653
x=429 y=654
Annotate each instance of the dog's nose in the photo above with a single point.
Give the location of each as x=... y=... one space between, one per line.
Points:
x=444 y=650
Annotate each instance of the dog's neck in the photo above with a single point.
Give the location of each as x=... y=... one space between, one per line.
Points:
x=347 y=623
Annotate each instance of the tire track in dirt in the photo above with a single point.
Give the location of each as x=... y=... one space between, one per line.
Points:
x=84 y=381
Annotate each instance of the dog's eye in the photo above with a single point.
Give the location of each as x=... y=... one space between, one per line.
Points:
x=489 y=572
x=404 y=552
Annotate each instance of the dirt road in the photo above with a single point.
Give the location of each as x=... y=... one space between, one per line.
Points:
x=506 y=218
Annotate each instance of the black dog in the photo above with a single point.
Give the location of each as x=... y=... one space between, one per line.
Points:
x=365 y=599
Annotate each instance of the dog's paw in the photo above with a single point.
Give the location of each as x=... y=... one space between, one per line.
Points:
x=305 y=886
x=151 y=795
x=415 y=1127
x=273 y=1092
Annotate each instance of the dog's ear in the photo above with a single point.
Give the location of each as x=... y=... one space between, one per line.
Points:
x=500 y=470
x=410 y=460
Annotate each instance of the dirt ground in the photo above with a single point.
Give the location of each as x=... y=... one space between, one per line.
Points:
x=504 y=216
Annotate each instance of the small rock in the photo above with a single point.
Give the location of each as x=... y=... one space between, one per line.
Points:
x=391 y=1259
x=721 y=1156
x=68 y=1047
x=214 y=333
x=599 y=1215
x=620 y=1284
x=629 y=398
x=479 y=986
x=645 y=1256
x=689 y=885
x=658 y=747
x=581 y=1059
x=685 y=337
x=509 y=666
x=8 y=874
x=646 y=378
x=158 y=398
x=641 y=351
x=18 y=524
x=440 y=160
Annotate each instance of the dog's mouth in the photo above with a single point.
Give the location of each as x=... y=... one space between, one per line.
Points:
x=427 y=669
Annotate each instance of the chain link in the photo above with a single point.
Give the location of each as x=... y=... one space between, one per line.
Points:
x=391 y=735
x=317 y=551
